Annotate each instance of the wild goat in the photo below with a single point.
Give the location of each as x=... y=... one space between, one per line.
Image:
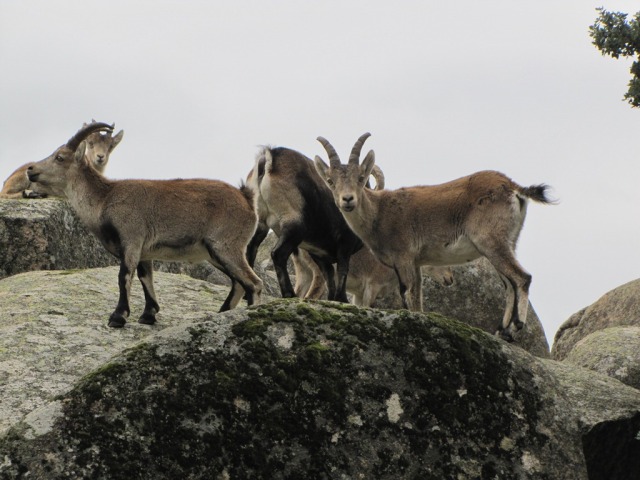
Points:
x=456 y=222
x=99 y=148
x=367 y=278
x=293 y=201
x=138 y=221
x=366 y=281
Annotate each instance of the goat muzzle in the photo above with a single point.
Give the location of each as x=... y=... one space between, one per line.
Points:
x=31 y=175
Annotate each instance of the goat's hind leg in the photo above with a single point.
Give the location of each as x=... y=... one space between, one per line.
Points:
x=151 y=307
x=503 y=329
x=243 y=278
x=517 y=281
x=287 y=243
x=119 y=316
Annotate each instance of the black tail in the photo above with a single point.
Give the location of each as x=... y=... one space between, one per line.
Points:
x=537 y=193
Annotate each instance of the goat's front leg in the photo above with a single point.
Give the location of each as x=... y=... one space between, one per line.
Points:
x=151 y=307
x=31 y=194
x=119 y=316
x=410 y=280
x=343 y=271
x=328 y=275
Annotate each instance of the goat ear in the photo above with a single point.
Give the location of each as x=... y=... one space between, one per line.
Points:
x=117 y=138
x=367 y=164
x=322 y=168
x=78 y=155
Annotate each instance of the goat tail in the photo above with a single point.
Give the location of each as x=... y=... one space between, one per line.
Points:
x=247 y=193
x=537 y=193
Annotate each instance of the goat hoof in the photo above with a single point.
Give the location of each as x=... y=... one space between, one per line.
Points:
x=505 y=335
x=117 y=320
x=147 y=319
x=32 y=194
x=519 y=325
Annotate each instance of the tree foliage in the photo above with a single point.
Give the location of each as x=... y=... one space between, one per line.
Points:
x=614 y=35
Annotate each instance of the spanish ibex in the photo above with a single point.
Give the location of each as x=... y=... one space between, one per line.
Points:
x=99 y=148
x=480 y=215
x=293 y=201
x=138 y=221
x=368 y=279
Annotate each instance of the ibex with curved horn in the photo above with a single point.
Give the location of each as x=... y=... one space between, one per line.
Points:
x=141 y=220
x=367 y=278
x=99 y=147
x=480 y=215
x=293 y=201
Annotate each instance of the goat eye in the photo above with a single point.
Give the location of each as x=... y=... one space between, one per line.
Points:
x=91 y=144
x=329 y=182
x=59 y=158
x=361 y=179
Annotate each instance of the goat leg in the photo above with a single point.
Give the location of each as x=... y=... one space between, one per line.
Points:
x=151 y=307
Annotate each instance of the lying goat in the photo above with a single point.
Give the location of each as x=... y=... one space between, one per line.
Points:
x=293 y=201
x=141 y=220
x=99 y=148
x=448 y=224
x=367 y=280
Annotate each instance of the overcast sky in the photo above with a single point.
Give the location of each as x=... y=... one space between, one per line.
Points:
x=445 y=88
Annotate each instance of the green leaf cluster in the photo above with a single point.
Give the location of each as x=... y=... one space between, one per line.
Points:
x=616 y=36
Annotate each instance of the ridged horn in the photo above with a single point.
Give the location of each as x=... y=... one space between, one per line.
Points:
x=85 y=131
x=354 y=158
x=334 y=159
x=376 y=172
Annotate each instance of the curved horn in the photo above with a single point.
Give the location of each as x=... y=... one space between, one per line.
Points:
x=85 y=131
x=354 y=158
x=376 y=173
x=334 y=159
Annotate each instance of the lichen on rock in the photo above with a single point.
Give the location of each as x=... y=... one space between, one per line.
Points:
x=295 y=389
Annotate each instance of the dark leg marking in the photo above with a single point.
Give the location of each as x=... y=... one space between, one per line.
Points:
x=151 y=307
x=119 y=317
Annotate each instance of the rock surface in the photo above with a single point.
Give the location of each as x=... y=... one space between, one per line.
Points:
x=45 y=235
x=617 y=308
x=53 y=328
x=614 y=351
x=477 y=297
x=294 y=389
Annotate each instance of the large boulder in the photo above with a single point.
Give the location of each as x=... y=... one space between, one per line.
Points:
x=45 y=235
x=614 y=351
x=618 y=308
x=53 y=328
x=296 y=389
x=478 y=297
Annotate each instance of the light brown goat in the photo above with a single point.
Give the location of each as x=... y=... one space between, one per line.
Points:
x=453 y=223
x=141 y=220
x=367 y=279
x=99 y=148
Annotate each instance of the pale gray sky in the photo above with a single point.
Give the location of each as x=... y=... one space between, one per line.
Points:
x=445 y=88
